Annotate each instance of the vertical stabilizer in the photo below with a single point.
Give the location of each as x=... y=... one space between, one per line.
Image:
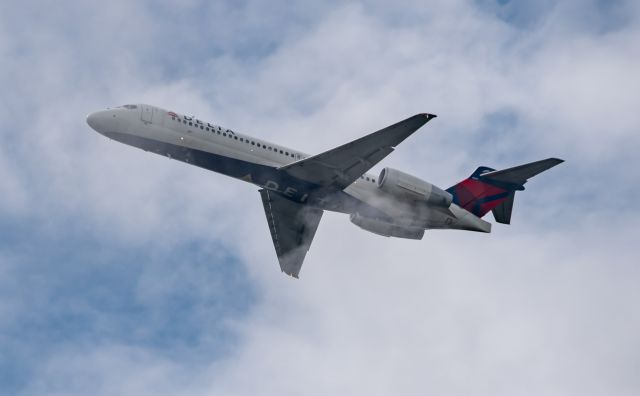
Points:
x=489 y=190
x=502 y=212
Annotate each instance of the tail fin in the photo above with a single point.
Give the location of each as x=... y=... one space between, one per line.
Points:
x=490 y=190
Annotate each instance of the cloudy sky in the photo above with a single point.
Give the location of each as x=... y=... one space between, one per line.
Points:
x=125 y=273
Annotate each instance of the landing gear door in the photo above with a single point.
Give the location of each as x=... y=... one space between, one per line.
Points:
x=146 y=114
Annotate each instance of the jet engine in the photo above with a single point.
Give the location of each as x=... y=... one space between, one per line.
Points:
x=384 y=228
x=411 y=189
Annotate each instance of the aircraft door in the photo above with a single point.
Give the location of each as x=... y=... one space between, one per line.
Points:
x=146 y=114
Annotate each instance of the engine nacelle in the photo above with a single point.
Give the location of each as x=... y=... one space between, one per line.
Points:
x=410 y=188
x=386 y=229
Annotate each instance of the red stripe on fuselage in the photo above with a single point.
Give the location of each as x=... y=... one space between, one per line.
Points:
x=470 y=190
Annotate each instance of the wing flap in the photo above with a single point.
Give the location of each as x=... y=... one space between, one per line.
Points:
x=292 y=226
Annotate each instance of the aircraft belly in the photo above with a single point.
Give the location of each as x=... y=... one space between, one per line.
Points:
x=265 y=176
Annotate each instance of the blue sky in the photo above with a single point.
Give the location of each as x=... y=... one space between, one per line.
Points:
x=122 y=272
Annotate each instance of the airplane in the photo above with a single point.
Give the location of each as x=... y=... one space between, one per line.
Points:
x=296 y=188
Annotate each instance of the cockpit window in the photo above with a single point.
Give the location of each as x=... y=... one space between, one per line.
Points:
x=130 y=107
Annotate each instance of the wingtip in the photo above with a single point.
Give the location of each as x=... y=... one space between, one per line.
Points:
x=428 y=116
x=291 y=274
x=555 y=161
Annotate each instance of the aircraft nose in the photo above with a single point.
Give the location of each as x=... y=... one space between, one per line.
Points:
x=92 y=120
x=96 y=121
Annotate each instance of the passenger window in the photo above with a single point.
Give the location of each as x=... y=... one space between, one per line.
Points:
x=190 y=124
x=281 y=152
x=253 y=143
x=235 y=137
x=201 y=127
x=224 y=134
x=242 y=140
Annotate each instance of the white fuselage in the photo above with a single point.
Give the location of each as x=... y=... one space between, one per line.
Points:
x=256 y=161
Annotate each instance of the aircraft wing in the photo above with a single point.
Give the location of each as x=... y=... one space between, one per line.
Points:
x=342 y=165
x=293 y=226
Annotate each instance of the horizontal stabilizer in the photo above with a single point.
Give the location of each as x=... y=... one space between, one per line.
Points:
x=520 y=174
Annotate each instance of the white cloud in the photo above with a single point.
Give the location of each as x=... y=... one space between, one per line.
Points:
x=542 y=306
x=12 y=191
